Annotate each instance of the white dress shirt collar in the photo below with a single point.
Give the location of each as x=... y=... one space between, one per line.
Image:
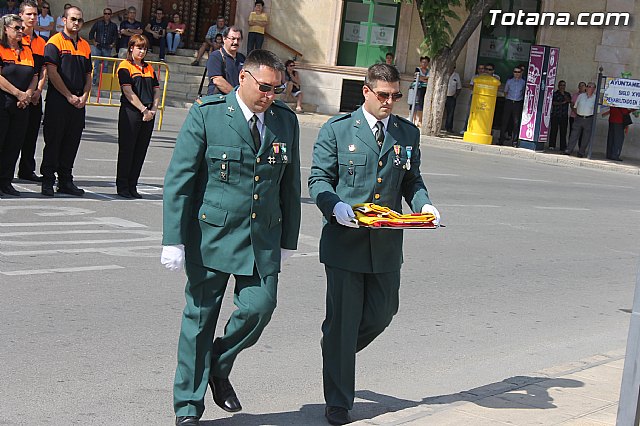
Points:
x=371 y=120
x=248 y=114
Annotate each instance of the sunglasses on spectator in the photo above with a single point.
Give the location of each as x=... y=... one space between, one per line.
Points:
x=78 y=20
x=16 y=28
x=266 y=88
x=234 y=38
x=384 y=96
x=106 y=13
x=517 y=72
x=45 y=7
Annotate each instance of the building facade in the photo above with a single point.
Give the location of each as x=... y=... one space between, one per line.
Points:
x=335 y=40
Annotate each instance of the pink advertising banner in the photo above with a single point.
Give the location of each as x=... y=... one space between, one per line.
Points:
x=532 y=93
x=552 y=71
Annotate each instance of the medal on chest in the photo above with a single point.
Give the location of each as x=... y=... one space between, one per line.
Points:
x=408 y=164
x=396 y=160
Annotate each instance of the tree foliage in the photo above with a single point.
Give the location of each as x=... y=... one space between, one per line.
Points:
x=444 y=47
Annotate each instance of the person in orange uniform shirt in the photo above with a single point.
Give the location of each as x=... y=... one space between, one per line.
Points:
x=138 y=106
x=17 y=82
x=68 y=60
x=27 y=166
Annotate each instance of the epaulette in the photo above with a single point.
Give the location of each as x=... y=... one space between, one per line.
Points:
x=278 y=103
x=210 y=100
x=339 y=117
x=405 y=120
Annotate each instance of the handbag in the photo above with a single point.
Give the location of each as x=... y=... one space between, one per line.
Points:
x=626 y=120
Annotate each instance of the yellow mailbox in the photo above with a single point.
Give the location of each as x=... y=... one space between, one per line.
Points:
x=483 y=103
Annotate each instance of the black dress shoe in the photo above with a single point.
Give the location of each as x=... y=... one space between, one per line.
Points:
x=134 y=193
x=337 y=415
x=124 y=193
x=32 y=177
x=8 y=189
x=47 y=189
x=187 y=421
x=224 y=395
x=70 y=188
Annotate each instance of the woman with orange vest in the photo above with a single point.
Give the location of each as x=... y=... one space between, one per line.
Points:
x=138 y=106
x=18 y=80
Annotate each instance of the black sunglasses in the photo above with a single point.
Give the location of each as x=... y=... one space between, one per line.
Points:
x=78 y=20
x=17 y=28
x=266 y=88
x=384 y=96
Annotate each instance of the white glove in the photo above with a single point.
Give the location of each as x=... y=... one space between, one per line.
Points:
x=428 y=208
x=344 y=215
x=285 y=254
x=173 y=257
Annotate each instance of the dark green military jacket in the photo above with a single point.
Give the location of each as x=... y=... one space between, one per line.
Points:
x=230 y=206
x=349 y=166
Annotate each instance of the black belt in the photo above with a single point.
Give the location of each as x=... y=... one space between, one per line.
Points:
x=584 y=116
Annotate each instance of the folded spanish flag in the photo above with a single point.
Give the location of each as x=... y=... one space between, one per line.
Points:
x=375 y=216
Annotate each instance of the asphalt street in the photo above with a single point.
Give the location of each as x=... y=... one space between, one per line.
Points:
x=536 y=267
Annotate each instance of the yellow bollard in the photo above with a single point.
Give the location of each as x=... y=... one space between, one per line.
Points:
x=483 y=103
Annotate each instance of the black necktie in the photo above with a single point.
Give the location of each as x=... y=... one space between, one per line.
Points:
x=255 y=133
x=379 y=133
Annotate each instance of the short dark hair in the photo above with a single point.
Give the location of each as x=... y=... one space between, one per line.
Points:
x=561 y=81
x=289 y=62
x=233 y=28
x=260 y=2
x=489 y=64
x=159 y=9
x=260 y=57
x=390 y=54
x=381 y=72
x=66 y=11
x=27 y=3
x=425 y=57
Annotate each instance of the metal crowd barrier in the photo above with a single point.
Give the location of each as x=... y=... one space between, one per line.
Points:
x=108 y=82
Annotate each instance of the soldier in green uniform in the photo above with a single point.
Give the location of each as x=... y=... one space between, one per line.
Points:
x=369 y=155
x=231 y=206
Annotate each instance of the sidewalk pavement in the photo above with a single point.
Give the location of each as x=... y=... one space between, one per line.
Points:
x=450 y=141
x=583 y=393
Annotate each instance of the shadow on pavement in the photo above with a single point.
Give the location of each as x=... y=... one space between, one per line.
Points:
x=532 y=394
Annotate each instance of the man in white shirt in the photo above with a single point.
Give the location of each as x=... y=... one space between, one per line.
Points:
x=453 y=90
x=582 y=125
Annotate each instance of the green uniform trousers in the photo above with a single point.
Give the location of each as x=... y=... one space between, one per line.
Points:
x=359 y=307
x=198 y=354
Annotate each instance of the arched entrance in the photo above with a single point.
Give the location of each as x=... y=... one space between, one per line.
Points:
x=199 y=15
